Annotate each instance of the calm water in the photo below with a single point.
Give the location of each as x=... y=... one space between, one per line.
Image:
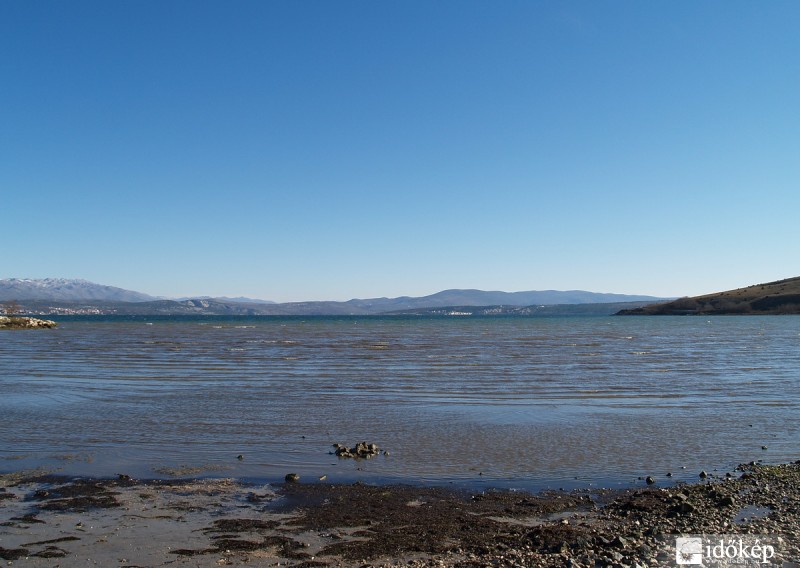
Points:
x=516 y=402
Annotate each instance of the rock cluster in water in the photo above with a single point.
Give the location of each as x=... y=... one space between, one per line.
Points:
x=25 y=323
x=363 y=450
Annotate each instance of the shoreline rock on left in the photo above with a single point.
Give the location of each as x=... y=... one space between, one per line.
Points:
x=15 y=322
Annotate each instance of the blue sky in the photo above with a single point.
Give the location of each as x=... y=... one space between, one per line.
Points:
x=300 y=150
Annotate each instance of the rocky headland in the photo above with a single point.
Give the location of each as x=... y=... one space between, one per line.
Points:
x=772 y=298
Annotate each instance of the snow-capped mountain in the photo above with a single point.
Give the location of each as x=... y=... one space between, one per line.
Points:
x=63 y=289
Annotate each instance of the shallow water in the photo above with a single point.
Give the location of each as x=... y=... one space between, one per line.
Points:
x=519 y=402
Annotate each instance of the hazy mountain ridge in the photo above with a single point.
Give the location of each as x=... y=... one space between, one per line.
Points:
x=61 y=296
x=780 y=297
x=471 y=297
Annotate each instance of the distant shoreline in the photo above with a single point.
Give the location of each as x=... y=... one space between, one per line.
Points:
x=173 y=310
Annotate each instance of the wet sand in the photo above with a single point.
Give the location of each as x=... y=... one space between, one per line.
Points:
x=61 y=522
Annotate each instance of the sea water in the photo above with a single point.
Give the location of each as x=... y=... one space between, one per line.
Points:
x=506 y=401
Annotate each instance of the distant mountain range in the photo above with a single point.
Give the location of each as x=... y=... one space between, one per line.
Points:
x=54 y=296
x=61 y=296
x=483 y=298
x=781 y=297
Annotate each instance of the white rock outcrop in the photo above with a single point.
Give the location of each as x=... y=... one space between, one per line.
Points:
x=25 y=323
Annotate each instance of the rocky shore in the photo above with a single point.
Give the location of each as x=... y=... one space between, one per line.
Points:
x=15 y=322
x=52 y=521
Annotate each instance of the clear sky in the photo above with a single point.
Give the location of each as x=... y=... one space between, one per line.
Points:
x=298 y=150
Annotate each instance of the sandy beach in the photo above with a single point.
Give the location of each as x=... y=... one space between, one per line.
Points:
x=60 y=522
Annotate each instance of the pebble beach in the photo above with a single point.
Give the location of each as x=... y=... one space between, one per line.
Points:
x=50 y=521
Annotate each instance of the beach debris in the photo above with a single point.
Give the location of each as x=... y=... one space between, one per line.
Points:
x=703 y=474
x=362 y=450
x=292 y=478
